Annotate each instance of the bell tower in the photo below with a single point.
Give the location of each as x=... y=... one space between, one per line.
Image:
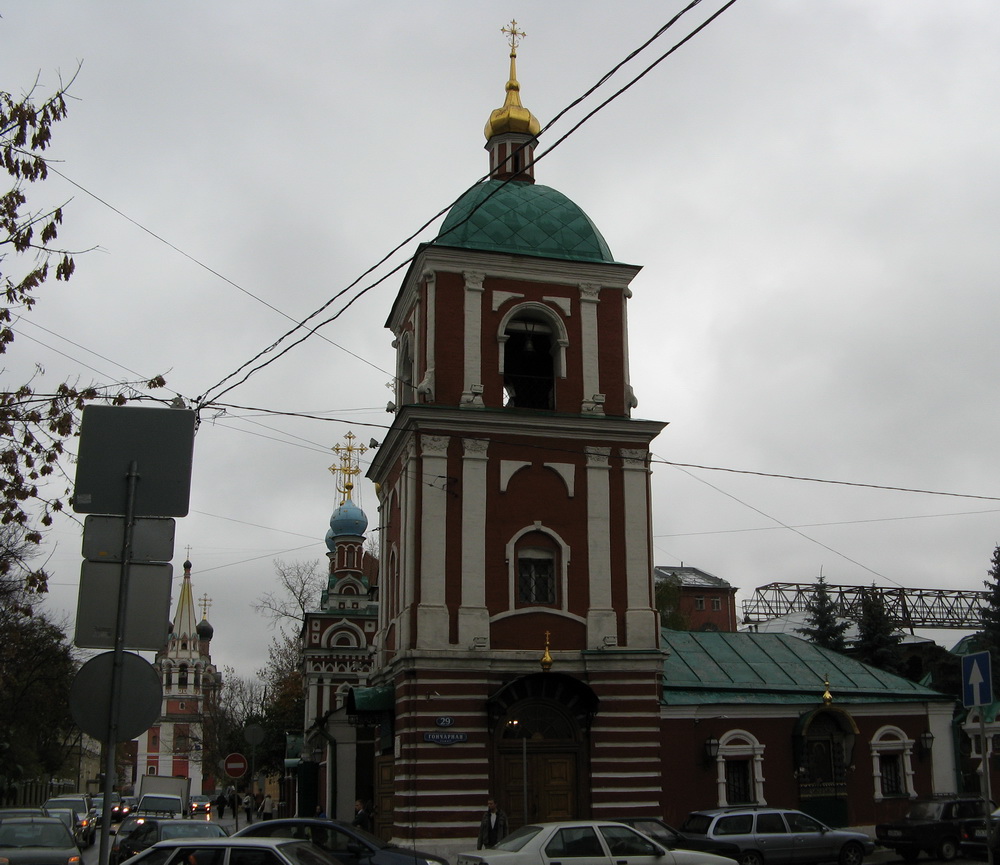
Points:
x=514 y=489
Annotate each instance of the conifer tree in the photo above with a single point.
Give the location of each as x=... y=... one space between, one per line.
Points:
x=825 y=628
x=989 y=637
x=878 y=634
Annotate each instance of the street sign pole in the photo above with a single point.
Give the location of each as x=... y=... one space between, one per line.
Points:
x=977 y=691
x=111 y=740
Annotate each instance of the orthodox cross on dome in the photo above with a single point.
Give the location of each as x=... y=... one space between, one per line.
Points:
x=206 y=603
x=349 y=456
x=514 y=36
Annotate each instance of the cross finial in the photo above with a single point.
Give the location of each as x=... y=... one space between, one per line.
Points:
x=206 y=603
x=187 y=550
x=349 y=456
x=513 y=34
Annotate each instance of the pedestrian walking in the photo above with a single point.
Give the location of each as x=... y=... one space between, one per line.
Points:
x=267 y=807
x=248 y=807
x=220 y=803
x=493 y=826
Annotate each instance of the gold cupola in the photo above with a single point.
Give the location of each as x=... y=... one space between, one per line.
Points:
x=511 y=130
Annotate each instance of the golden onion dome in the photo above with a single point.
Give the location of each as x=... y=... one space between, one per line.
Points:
x=513 y=116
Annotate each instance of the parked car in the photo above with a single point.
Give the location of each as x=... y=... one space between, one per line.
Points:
x=37 y=841
x=772 y=835
x=932 y=825
x=8 y=813
x=70 y=821
x=590 y=841
x=672 y=838
x=200 y=805
x=149 y=830
x=86 y=815
x=349 y=844
x=234 y=851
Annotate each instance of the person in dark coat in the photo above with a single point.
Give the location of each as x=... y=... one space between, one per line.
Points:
x=493 y=826
x=362 y=816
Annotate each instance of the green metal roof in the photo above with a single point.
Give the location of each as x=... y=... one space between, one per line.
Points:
x=750 y=668
x=378 y=699
x=524 y=219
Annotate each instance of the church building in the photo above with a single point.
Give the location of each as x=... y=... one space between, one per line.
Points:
x=518 y=652
x=518 y=645
x=173 y=745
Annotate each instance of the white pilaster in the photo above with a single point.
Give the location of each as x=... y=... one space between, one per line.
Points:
x=589 y=298
x=640 y=617
x=473 y=617
x=601 y=620
x=472 y=393
x=432 y=616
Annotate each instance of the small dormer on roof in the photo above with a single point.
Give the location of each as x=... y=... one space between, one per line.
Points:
x=511 y=130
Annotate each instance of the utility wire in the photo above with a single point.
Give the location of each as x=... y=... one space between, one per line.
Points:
x=207 y=398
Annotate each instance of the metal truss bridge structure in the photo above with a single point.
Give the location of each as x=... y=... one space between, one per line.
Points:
x=912 y=608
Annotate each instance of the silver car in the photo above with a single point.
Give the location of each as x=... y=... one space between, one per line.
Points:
x=772 y=836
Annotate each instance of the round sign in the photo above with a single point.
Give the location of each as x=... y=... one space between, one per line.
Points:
x=235 y=765
x=254 y=734
x=90 y=696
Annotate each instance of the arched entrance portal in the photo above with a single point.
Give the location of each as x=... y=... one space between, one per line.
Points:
x=541 y=737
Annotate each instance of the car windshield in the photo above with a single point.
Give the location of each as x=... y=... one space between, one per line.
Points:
x=34 y=835
x=925 y=811
x=655 y=829
x=518 y=838
x=697 y=824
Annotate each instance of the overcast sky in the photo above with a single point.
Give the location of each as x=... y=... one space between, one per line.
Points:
x=812 y=189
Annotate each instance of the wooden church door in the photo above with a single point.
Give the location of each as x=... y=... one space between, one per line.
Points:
x=538 y=757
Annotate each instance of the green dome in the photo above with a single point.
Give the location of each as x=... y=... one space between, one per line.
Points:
x=524 y=219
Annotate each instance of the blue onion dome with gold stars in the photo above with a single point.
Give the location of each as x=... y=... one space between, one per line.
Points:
x=347 y=520
x=509 y=212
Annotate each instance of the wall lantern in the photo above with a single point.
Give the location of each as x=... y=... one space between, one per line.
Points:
x=711 y=748
x=927 y=740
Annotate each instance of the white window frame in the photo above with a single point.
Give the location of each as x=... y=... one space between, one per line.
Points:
x=742 y=744
x=892 y=740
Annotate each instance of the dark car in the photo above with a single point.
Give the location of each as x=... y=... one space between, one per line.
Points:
x=37 y=841
x=773 y=835
x=8 y=813
x=86 y=814
x=347 y=843
x=932 y=825
x=147 y=831
x=672 y=838
x=972 y=837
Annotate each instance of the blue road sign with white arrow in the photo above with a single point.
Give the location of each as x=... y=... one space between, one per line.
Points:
x=977 y=680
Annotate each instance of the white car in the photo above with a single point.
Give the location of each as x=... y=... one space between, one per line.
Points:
x=584 y=842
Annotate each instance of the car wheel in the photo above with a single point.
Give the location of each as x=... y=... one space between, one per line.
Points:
x=750 y=857
x=851 y=853
x=910 y=854
x=947 y=850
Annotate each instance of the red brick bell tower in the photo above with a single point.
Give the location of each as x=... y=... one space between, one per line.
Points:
x=515 y=519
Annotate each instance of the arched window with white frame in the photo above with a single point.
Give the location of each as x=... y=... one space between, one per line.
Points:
x=892 y=764
x=740 y=769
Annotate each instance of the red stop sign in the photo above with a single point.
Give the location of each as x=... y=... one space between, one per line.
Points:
x=235 y=765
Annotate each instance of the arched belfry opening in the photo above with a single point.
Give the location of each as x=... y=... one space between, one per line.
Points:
x=529 y=363
x=541 y=735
